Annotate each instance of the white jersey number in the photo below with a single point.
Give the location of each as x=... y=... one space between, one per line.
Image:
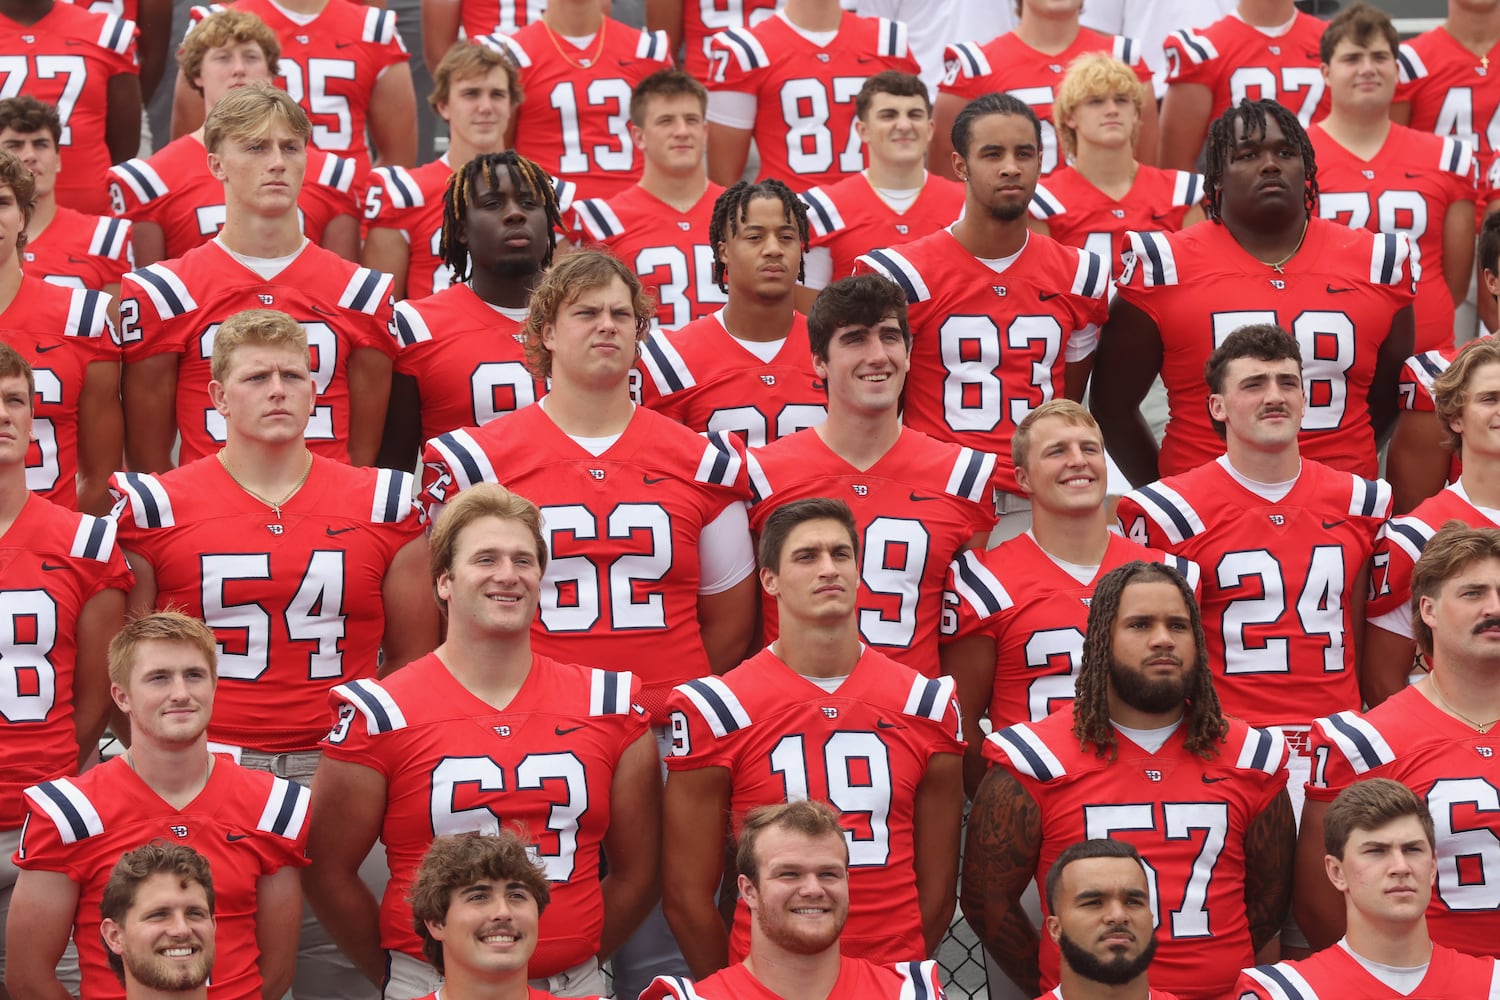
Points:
x=894 y=562
x=971 y=349
x=43 y=470
x=1319 y=610
x=1052 y=649
x=625 y=579
x=72 y=70
x=315 y=614
x=1480 y=846
x=1262 y=83
x=676 y=275
x=1327 y=339
x=806 y=104
x=618 y=157
x=483 y=782
x=1177 y=821
x=319 y=102
x=857 y=767
x=28 y=631
x=1394 y=212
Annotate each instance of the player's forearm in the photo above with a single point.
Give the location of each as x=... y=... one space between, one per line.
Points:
x=936 y=901
x=628 y=897
x=33 y=981
x=1270 y=856
x=350 y=914
x=1132 y=445
x=369 y=394
x=699 y=929
x=1011 y=939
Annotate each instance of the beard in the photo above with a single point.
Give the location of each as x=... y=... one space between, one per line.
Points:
x=517 y=266
x=779 y=929
x=1009 y=213
x=158 y=974
x=1153 y=696
x=1116 y=971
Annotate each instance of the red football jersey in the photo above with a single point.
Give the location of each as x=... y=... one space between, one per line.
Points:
x=175 y=306
x=410 y=201
x=858 y=980
x=1235 y=60
x=575 y=121
x=1337 y=296
x=622 y=532
x=1407 y=738
x=245 y=823
x=1189 y=830
x=532 y=993
x=60 y=332
x=1278 y=659
x=851 y=218
x=67 y=59
x=1451 y=90
x=1405 y=188
x=668 y=249
x=1080 y=215
x=119 y=8
x=804 y=117
x=453 y=763
x=706 y=380
x=1037 y=613
x=1420 y=371
x=330 y=65
x=1334 y=974
x=969 y=382
x=1007 y=64
x=1400 y=545
x=468 y=358
x=295 y=601
x=486 y=17
x=782 y=737
x=54 y=560
x=175 y=190
x=915 y=509
x=1056 y=993
x=79 y=251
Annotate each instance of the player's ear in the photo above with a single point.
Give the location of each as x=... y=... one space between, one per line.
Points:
x=748 y=892
x=960 y=167
x=120 y=698
x=1334 y=868
x=1216 y=408
x=216 y=166
x=220 y=399
x=113 y=935
x=637 y=135
x=1053 y=927
x=769 y=583
x=1427 y=609
x=1023 y=481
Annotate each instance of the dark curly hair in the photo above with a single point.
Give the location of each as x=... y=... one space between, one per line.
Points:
x=525 y=177
x=1252 y=116
x=732 y=208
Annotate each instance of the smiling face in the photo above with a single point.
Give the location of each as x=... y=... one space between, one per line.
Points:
x=896 y=129
x=490 y=928
x=166 y=939
x=1065 y=469
x=800 y=898
x=494 y=583
x=866 y=367
x=1478 y=420
x=168 y=693
x=1361 y=77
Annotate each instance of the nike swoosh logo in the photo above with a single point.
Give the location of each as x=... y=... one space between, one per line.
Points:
x=1160 y=217
x=1338 y=291
x=1210 y=781
x=1410 y=174
x=49 y=567
x=882 y=724
x=559 y=730
x=1333 y=524
x=325 y=312
x=232 y=837
x=44 y=348
x=918 y=498
x=342 y=45
x=652 y=482
x=1044 y=296
x=337 y=531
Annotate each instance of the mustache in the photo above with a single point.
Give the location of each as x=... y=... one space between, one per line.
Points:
x=1486 y=624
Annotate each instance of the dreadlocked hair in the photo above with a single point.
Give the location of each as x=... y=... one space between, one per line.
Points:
x=525 y=177
x=732 y=208
x=1204 y=719
x=1253 y=116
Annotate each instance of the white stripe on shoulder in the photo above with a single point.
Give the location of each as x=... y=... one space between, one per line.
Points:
x=69 y=809
x=977 y=587
x=1360 y=742
x=970 y=476
x=460 y=450
x=94 y=539
x=609 y=692
x=1027 y=752
x=1187 y=188
x=1170 y=511
x=711 y=701
x=286 y=809
x=1282 y=982
x=760 y=484
x=382 y=714
x=929 y=697
x=1045 y=204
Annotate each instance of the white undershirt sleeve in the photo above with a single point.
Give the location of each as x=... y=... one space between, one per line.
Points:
x=725 y=554
x=732 y=108
x=1082 y=343
x=817 y=267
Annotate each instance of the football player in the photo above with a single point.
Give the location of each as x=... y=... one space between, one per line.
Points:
x=916 y=501
x=1029 y=63
x=1099 y=896
x=1003 y=319
x=65 y=247
x=660 y=227
x=479 y=734
x=817 y=714
x=476 y=903
x=251 y=826
x=581 y=66
x=1428 y=736
x=1378 y=850
x=173 y=198
x=793 y=862
x=257 y=149
x=1262 y=257
x=690 y=24
x=347 y=67
x=1388 y=178
x=1262 y=50
x=1144 y=755
x=1102 y=192
x=64 y=597
x=1014 y=621
x=1289 y=539
x=84 y=64
x=157 y=921
x=1463 y=396
x=790 y=82
x=744 y=370
x=892 y=200
x=74 y=356
x=462 y=361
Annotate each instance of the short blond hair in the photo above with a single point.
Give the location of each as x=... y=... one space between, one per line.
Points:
x=464 y=61
x=159 y=626
x=1450 y=390
x=1094 y=74
x=1071 y=413
x=258 y=327
x=220 y=30
x=249 y=113
x=480 y=500
x=569 y=278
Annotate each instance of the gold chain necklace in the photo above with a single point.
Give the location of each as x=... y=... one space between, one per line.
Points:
x=1280 y=264
x=583 y=63
x=275 y=505
x=1480 y=727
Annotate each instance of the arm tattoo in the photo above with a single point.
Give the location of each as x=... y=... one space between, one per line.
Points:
x=1000 y=858
x=1270 y=849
